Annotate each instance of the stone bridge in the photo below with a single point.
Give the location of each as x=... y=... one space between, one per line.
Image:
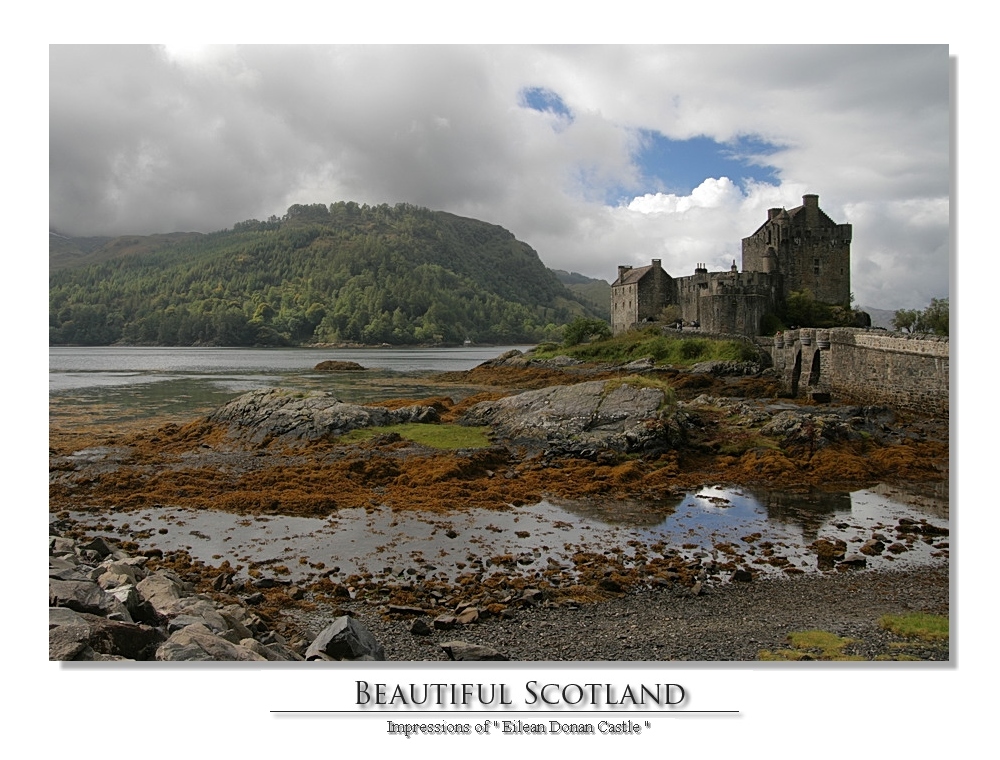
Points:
x=864 y=367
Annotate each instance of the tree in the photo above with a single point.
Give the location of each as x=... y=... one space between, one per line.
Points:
x=934 y=319
x=905 y=320
x=936 y=316
x=582 y=329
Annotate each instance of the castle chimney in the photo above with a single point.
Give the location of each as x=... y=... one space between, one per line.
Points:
x=810 y=204
x=656 y=263
x=622 y=269
x=772 y=212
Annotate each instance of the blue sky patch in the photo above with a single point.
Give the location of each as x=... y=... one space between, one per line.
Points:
x=541 y=99
x=679 y=166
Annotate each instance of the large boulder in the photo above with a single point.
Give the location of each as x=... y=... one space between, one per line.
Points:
x=198 y=643
x=618 y=415
x=86 y=596
x=161 y=591
x=277 y=415
x=345 y=639
x=82 y=636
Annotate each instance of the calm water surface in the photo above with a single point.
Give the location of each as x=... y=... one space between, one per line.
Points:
x=129 y=383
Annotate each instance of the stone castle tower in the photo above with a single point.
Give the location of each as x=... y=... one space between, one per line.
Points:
x=807 y=247
x=796 y=249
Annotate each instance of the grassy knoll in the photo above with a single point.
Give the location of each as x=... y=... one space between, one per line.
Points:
x=665 y=350
x=445 y=437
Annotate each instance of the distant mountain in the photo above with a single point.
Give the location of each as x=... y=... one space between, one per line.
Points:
x=344 y=273
x=596 y=293
x=880 y=317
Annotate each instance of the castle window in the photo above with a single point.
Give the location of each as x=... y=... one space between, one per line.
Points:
x=816 y=267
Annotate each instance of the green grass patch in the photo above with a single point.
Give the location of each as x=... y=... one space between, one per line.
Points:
x=916 y=625
x=665 y=350
x=812 y=645
x=436 y=436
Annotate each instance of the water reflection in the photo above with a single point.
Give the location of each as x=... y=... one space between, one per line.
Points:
x=385 y=542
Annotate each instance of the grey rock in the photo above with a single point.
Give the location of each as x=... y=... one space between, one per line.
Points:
x=272 y=652
x=72 y=640
x=84 y=596
x=67 y=642
x=59 y=546
x=198 y=643
x=160 y=591
x=65 y=616
x=872 y=547
x=467 y=616
x=345 y=639
x=445 y=622
x=591 y=415
x=284 y=416
x=420 y=627
x=853 y=561
x=742 y=576
x=645 y=362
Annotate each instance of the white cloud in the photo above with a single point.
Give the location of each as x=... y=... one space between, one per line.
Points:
x=157 y=139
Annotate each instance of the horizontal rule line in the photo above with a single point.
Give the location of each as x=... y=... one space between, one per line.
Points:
x=512 y=712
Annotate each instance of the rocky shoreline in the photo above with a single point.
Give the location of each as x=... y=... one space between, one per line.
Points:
x=555 y=429
x=105 y=605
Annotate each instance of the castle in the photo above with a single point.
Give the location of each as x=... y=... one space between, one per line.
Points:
x=794 y=250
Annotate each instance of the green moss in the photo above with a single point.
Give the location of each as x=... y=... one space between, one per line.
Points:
x=812 y=645
x=436 y=436
x=918 y=625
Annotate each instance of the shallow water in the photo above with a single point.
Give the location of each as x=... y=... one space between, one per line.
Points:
x=107 y=386
x=388 y=543
x=112 y=384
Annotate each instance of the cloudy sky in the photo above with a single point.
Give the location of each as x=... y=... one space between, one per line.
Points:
x=594 y=156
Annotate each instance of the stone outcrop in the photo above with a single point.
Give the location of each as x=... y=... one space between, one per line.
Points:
x=585 y=416
x=276 y=415
x=333 y=365
x=105 y=605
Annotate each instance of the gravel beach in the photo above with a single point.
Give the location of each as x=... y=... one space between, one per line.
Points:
x=732 y=622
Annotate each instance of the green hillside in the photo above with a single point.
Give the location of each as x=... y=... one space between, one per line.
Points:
x=595 y=293
x=344 y=273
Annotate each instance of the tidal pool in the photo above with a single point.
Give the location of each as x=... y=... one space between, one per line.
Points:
x=728 y=523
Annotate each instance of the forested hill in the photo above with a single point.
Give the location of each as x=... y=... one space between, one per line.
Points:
x=340 y=273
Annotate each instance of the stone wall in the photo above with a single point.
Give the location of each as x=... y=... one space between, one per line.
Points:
x=728 y=302
x=866 y=367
